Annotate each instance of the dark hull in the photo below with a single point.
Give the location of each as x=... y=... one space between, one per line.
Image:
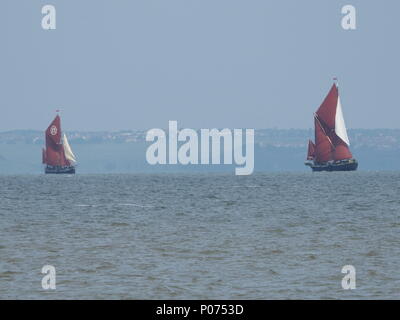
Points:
x=59 y=170
x=349 y=165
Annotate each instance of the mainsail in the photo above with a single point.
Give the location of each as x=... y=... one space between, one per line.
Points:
x=331 y=140
x=58 y=156
x=54 y=154
x=323 y=145
x=69 y=155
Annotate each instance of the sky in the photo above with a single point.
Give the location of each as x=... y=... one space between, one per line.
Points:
x=136 y=64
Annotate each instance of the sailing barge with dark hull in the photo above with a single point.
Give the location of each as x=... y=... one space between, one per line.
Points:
x=57 y=156
x=331 y=150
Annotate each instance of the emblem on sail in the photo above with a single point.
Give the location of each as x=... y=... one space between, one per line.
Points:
x=331 y=151
x=57 y=156
x=53 y=130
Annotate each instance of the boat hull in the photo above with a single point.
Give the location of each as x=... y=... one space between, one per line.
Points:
x=59 y=170
x=348 y=165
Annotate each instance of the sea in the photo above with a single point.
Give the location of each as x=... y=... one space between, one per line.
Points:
x=200 y=236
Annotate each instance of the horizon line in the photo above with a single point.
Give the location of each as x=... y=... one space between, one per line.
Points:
x=125 y=130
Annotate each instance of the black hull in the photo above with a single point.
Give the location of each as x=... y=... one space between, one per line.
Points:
x=59 y=170
x=349 y=165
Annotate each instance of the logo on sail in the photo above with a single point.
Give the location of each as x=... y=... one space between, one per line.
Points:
x=53 y=130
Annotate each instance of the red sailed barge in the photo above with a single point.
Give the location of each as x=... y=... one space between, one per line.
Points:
x=58 y=156
x=331 y=151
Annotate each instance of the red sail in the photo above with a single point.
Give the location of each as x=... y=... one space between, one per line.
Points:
x=64 y=160
x=53 y=132
x=342 y=150
x=54 y=149
x=323 y=145
x=311 y=150
x=327 y=111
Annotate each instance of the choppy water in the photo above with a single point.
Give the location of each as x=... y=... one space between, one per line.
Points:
x=266 y=236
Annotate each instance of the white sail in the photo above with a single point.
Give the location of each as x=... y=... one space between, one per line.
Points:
x=67 y=150
x=340 y=127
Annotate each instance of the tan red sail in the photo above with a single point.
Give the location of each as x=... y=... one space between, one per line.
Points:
x=323 y=145
x=311 y=150
x=327 y=111
x=53 y=132
x=54 y=154
x=341 y=151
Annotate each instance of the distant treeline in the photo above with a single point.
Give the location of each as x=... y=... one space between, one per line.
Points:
x=360 y=138
x=125 y=151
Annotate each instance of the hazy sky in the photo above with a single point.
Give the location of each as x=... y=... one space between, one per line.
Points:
x=135 y=64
